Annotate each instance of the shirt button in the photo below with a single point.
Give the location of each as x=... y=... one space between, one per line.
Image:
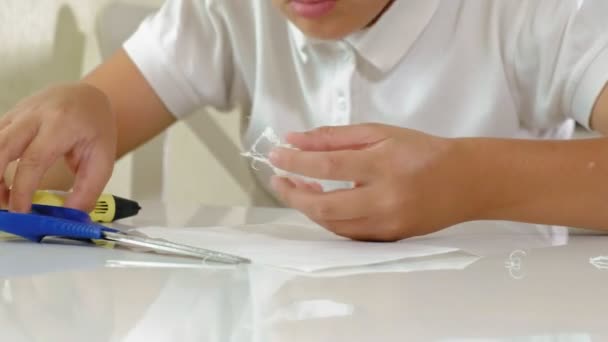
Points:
x=342 y=105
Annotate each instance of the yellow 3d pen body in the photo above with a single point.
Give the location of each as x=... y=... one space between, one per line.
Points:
x=108 y=208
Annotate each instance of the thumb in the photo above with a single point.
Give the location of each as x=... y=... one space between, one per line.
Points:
x=332 y=138
x=92 y=176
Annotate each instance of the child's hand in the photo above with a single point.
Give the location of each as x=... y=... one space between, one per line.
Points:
x=71 y=121
x=408 y=183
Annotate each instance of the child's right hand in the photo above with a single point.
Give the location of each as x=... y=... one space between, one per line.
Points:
x=73 y=121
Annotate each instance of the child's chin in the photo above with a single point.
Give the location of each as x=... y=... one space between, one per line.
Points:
x=319 y=30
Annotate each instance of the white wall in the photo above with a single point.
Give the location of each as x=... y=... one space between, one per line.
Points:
x=49 y=41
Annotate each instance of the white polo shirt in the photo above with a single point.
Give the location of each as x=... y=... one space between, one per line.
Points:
x=453 y=68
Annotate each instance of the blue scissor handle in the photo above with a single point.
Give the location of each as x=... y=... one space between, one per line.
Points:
x=61 y=212
x=51 y=221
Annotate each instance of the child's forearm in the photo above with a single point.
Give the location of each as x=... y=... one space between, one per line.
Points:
x=546 y=182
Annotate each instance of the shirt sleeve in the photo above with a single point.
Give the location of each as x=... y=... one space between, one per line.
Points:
x=183 y=53
x=560 y=60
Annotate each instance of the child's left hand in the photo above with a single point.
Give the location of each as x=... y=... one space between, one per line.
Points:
x=407 y=183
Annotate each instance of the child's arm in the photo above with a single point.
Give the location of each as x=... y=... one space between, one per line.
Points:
x=411 y=183
x=91 y=123
x=140 y=114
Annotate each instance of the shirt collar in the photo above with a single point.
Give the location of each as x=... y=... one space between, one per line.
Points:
x=405 y=19
x=302 y=42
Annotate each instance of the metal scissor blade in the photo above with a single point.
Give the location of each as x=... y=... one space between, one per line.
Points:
x=168 y=247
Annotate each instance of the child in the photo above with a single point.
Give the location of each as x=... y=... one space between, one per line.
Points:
x=417 y=102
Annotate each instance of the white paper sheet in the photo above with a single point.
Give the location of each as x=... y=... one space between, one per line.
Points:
x=301 y=248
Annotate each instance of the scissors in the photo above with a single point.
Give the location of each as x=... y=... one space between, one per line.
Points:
x=52 y=221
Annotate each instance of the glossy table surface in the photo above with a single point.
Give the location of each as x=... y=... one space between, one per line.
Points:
x=510 y=282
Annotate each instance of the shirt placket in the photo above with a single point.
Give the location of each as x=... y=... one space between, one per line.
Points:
x=342 y=85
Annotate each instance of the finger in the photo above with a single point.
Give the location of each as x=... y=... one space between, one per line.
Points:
x=12 y=116
x=35 y=161
x=325 y=206
x=93 y=171
x=4 y=194
x=14 y=140
x=362 y=229
x=310 y=186
x=331 y=138
x=333 y=165
x=6 y=121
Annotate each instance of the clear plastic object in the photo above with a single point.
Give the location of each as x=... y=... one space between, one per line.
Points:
x=257 y=155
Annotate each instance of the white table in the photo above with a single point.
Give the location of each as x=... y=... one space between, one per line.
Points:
x=531 y=284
